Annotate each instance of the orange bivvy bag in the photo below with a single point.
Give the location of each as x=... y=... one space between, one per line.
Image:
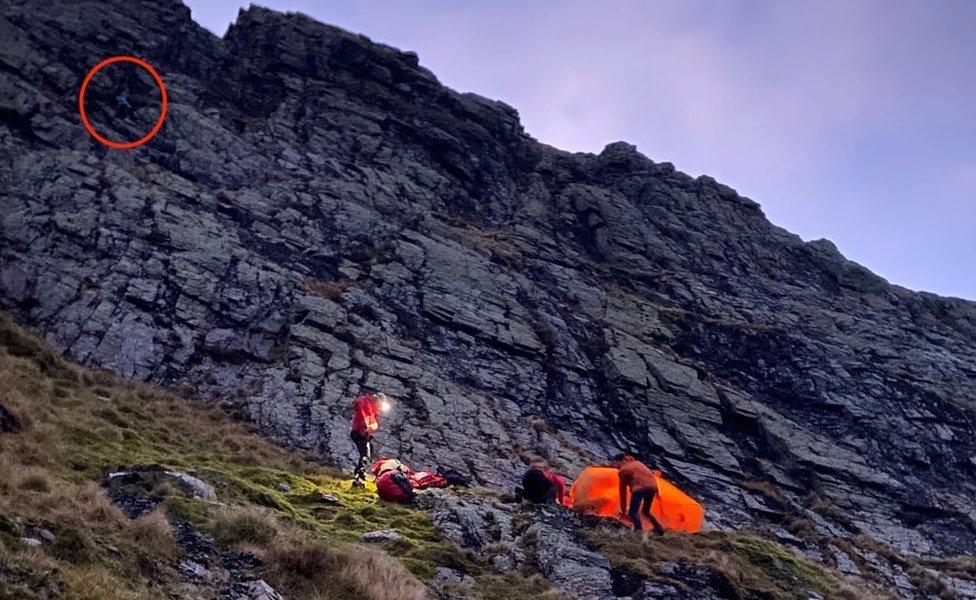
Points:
x=597 y=492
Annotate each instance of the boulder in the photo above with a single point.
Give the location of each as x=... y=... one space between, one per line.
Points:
x=139 y=489
x=381 y=535
x=194 y=569
x=253 y=590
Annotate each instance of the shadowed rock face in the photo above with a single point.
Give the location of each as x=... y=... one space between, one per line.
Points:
x=319 y=215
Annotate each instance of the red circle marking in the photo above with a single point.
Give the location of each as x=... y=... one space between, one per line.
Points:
x=84 y=116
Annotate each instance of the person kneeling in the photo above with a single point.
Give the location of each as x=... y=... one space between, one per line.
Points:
x=542 y=486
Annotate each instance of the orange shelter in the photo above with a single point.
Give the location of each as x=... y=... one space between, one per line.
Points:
x=597 y=492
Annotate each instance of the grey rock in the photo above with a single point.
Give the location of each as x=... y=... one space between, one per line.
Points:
x=564 y=561
x=133 y=488
x=444 y=577
x=844 y=563
x=254 y=590
x=680 y=581
x=194 y=569
x=468 y=521
x=48 y=536
x=552 y=538
x=449 y=584
x=381 y=535
x=200 y=488
x=502 y=563
x=30 y=542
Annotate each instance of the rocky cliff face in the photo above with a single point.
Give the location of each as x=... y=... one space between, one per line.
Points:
x=319 y=215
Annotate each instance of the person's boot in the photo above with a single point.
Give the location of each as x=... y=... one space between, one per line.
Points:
x=358 y=479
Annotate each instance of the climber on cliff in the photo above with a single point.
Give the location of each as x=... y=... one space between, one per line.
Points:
x=639 y=480
x=122 y=104
x=365 y=413
x=542 y=486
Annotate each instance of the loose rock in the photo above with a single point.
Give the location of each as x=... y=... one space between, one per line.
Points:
x=382 y=535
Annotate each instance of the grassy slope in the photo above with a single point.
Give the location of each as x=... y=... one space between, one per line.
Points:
x=80 y=424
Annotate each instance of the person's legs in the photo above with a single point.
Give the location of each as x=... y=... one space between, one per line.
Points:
x=646 y=511
x=550 y=495
x=363 y=447
x=367 y=456
x=636 y=497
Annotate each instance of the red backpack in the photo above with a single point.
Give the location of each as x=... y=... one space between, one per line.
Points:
x=395 y=486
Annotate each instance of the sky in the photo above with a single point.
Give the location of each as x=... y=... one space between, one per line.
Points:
x=853 y=121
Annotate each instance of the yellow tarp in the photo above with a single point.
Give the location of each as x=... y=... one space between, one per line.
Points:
x=597 y=492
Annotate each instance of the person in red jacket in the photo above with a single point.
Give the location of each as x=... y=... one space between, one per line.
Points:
x=365 y=423
x=542 y=486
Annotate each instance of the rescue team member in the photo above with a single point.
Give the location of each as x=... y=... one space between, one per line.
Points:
x=542 y=486
x=365 y=412
x=640 y=481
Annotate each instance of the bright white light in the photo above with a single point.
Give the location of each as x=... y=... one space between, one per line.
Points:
x=385 y=406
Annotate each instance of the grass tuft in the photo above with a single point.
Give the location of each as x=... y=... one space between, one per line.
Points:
x=237 y=526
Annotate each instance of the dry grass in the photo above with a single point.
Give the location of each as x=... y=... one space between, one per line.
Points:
x=378 y=576
x=329 y=290
x=766 y=490
x=95 y=583
x=34 y=480
x=154 y=536
x=311 y=569
x=504 y=587
x=236 y=527
x=497 y=246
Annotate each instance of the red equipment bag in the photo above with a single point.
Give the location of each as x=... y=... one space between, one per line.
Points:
x=394 y=486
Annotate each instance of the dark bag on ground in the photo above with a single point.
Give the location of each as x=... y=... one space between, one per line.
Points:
x=454 y=478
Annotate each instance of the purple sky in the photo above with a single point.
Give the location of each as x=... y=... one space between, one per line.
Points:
x=854 y=121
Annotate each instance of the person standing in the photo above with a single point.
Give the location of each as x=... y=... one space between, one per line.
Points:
x=639 y=480
x=365 y=423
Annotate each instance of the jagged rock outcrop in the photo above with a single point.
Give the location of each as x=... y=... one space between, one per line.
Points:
x=319 y=215
x=546 y=537
x=553 y=542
